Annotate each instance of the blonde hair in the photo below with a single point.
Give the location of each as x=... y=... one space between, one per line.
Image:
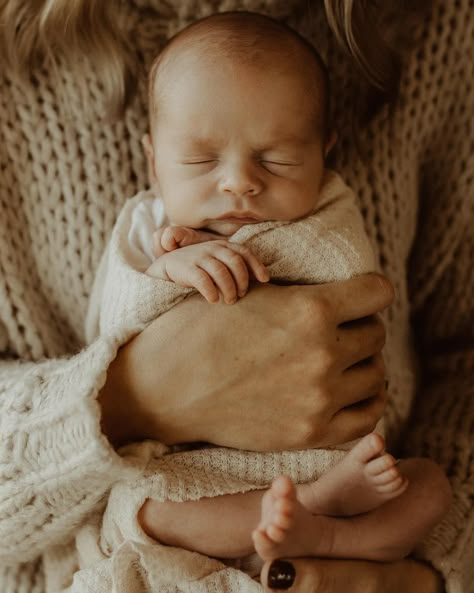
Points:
x=35 y=30
x=375 y=35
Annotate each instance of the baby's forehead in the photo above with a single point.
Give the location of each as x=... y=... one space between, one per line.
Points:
x=242 y=40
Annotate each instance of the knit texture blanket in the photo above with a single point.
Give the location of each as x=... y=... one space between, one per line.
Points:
x=328 y=245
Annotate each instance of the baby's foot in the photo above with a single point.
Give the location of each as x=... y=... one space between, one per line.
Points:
x=287 y=528
x=366 y=478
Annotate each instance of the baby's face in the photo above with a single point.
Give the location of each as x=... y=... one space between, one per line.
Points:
x=236 y=145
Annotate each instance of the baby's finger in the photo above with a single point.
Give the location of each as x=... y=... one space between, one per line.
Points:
x=222 y=277
x=157 y=248
x=203 y=283
x=253 y=263
x=236 y=265
x=169 y=241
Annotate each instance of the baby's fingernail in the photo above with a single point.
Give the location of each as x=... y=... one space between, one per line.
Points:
x=281 y=575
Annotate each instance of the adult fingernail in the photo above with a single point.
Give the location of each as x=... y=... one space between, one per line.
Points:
x=281 y=575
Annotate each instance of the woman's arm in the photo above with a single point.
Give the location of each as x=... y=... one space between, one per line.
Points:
x=55 y=464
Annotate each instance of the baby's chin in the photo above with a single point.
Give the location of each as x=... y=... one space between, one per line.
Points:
x=226 y=228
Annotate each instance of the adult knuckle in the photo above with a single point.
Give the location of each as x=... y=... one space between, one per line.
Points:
x=327 y=359
x=316 y=311
x=322 y=404
x=322 y=310
x=307 y=434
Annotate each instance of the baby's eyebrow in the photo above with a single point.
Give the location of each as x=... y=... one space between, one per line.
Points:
x=199 y=142
x=286 y=141
x=290 y=141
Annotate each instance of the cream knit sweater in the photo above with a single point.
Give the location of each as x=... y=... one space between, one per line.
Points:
x=64 y=176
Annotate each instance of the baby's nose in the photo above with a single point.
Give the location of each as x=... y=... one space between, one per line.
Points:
x=241 y=180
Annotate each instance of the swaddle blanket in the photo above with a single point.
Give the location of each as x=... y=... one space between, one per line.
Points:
x=329 y=244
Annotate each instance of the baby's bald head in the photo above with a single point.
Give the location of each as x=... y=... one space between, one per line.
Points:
x=245 y=39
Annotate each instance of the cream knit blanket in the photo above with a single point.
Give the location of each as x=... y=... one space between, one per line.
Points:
x=328 y=245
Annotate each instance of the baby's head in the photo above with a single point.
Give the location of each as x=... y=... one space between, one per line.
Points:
x=239 y=123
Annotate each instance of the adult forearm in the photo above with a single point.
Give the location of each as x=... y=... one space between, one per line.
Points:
x=55 y=462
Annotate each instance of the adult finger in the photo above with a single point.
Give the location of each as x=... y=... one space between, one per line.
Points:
x=360 y=382
x=360 y=340
x=358 y=419
x=358 y=297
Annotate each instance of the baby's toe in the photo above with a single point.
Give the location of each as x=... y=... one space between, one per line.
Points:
x=387 y=477
x=380 y=465
x=282 y=520
x=283 y=486
x=263 y=544
x=276 y=533
x=368 y=447
x=285 y=506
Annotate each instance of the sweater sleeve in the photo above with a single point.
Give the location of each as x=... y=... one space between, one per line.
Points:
x=55 y=463
x=442 y=287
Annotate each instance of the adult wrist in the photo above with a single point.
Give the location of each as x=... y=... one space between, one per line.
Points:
x=122 y=418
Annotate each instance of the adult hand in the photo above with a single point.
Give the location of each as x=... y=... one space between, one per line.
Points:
x=287 y=367
x=340 y=576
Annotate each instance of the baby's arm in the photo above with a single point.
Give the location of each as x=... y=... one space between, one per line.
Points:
x=211 y=267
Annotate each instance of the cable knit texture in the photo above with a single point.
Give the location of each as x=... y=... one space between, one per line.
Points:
x=65 y=173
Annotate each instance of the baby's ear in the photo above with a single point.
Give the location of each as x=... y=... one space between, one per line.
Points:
x=150 y=157
x=330 y=142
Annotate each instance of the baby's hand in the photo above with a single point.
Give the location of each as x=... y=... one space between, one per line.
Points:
x=171 y=237
x=210 y=268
